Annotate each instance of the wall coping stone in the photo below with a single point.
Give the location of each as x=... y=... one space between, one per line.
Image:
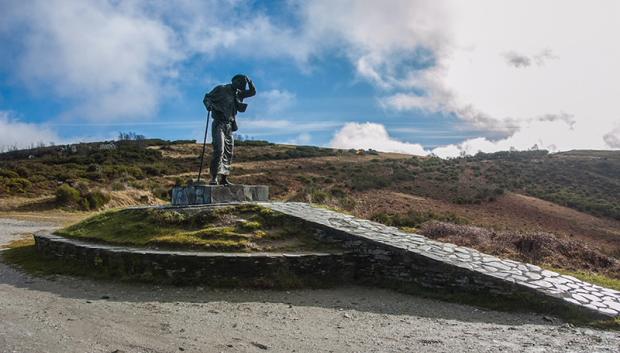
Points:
x=191 y=253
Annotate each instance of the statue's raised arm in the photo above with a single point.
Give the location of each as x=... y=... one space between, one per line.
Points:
x=251 y=91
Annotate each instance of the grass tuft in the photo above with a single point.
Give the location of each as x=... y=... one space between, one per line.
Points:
x=590 y=277
x=23 y=254
x=235 y=228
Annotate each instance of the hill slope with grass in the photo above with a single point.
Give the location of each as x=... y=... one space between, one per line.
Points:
x=560 y=210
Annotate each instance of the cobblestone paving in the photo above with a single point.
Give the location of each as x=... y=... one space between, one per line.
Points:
x=599 y=299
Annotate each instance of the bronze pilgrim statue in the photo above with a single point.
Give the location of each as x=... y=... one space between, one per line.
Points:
x=224 y=102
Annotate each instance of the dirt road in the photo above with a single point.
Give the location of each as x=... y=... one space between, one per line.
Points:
x=65 y=314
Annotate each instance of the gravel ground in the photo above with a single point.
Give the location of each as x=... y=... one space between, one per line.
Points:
x=63 y=314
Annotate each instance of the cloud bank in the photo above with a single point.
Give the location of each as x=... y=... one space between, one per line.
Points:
x=492 y=68
x=110 y=59
x=505 y=67
x=372 y=136
x=17 y=134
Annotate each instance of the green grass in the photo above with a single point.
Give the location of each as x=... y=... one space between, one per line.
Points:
x=23 y=254
x=590 y=277
x=235 y=228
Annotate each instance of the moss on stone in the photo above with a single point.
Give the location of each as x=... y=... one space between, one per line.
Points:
x=23 y=254
x=234 y=228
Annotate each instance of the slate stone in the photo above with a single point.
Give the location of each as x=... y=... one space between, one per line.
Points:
x=215 y=194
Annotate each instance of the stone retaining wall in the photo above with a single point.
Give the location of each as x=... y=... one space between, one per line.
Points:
x=265 y=270
x=389 y=257
x=372 y=254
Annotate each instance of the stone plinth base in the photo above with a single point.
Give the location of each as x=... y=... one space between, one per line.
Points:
x=209 y=194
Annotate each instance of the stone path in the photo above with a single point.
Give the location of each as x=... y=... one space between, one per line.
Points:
x=595 y=298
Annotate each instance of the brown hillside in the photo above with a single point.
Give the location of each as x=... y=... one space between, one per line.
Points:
x=573 y=197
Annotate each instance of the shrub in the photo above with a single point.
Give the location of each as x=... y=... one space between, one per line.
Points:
x=95 y=200
x=151 y=171
x=17 y=185
x=253 y=143
x=367 y=182
x=118 y=186
x=318 y=196
x=161 y=192
x=347 y=203
x=166 y=217
x=67 y=196
x=8 y=173
x=338 y=192
x=415 y=219
x=86 y=200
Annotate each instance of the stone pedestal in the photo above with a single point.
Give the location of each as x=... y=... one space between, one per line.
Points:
x=210 y=194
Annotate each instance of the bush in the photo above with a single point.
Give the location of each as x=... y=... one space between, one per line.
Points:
x=415 y=219
x=368 y=182
x=161 y=193
x=118 y=186
x=8 y=173
x=257 y=143
x=318 y=196
x=67 y=196
x=17 y=185
x=94 y=200
x=151 y=171
x=86 y=200
x=166 y=217
x=347 y=203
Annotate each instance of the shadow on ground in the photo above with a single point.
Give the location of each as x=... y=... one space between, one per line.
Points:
x=357 y=298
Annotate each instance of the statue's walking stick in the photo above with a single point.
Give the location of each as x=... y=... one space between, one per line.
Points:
x=204 y=146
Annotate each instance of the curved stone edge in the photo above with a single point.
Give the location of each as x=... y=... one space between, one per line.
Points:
x=389 y=254
x=264 y=270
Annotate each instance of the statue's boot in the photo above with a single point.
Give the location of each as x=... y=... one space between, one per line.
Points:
x=213 y=181
x=224 y=181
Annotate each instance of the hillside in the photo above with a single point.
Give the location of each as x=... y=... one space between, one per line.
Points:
x=569 y=203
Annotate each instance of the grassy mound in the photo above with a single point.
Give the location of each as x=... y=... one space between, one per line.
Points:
x=244 y=228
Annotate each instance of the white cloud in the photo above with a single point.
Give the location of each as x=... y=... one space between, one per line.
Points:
x=377 y=36
x=550 y=133
x=115 y=60
x=612 y=138
x=108 y=57
x=276 y=101
x=14 y=133
x=302 y=139
x=566 y=69
x=372 y=136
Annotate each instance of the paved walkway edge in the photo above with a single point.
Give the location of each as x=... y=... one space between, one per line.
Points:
x=389 y=254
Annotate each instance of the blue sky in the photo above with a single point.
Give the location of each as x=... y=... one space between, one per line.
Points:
x=416 y=76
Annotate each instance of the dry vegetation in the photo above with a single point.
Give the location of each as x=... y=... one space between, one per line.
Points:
x=539 y=248
x=566 y=204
